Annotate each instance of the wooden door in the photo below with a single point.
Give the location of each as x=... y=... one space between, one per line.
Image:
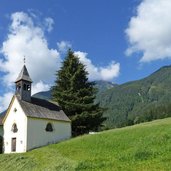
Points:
x=13 y=145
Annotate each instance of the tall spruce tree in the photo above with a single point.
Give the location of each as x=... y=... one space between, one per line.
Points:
x=75 y=94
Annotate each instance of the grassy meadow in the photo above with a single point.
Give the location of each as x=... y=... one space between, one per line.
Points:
x=143 y=147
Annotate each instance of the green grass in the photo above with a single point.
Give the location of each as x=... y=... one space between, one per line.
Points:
x=141 y=147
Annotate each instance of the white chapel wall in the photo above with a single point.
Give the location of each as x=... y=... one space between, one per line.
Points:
x=20 y=119
x=37 y=136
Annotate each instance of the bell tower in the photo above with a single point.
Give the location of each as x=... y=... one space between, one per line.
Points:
x=23 y=85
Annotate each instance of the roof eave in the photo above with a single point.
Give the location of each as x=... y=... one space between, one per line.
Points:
x=50 y=119
x=23 y=80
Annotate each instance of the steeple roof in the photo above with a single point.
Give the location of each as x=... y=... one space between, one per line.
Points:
x=24 y=75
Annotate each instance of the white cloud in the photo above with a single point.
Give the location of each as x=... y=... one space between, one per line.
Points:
x=106 y=73
x=5 y=100
x=63 y=46
x=149 y=31
x=40 y=86
x=111 y=71
x=49 y=24
x=25 y=38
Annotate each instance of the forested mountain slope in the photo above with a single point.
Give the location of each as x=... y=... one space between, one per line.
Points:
x=137 y=101
x=134 y=102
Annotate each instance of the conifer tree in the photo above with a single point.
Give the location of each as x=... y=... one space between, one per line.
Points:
x=75 y=94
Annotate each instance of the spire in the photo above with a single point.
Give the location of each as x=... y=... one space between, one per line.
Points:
x=24 y=75
x=23 y=85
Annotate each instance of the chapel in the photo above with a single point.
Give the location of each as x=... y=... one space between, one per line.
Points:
x=30 y=122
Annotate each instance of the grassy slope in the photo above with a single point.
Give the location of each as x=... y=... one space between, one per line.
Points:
x=141 y=147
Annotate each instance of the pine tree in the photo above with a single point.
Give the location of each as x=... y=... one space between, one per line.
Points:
x=75 y=94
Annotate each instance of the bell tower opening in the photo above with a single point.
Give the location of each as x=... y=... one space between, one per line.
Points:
x=23 y=85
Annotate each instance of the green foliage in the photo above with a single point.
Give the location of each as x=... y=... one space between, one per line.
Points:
x=75 y=94
x=138 y=101
x=140 y=147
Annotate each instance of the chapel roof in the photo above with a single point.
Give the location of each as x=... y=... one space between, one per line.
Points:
x=39 y=108
x=24 y=75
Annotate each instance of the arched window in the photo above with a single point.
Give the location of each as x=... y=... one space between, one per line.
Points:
x=14 y=128
x=28 y=87
x=49 y=127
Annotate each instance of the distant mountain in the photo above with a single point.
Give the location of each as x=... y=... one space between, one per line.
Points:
x=133 y=102
x=43 y=95
x=100 y=85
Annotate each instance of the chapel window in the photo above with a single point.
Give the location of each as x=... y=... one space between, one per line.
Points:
x=49 y=127
x=14 y=128
x=28 y=87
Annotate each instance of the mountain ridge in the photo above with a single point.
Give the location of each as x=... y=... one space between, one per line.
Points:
x=136 y=96
x=135 y=101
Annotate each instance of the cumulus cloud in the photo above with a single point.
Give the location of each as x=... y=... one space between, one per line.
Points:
x=40 y=86
x=26 y=38
x=106 y=73
x=149 y=31
x=63 y=46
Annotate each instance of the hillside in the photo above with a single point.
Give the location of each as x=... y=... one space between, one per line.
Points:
x=134 y=102
x=43 y=95
x=141 y=147
x=138 y=101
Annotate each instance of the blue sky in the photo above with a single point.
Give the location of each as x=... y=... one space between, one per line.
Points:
x=118 y=40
